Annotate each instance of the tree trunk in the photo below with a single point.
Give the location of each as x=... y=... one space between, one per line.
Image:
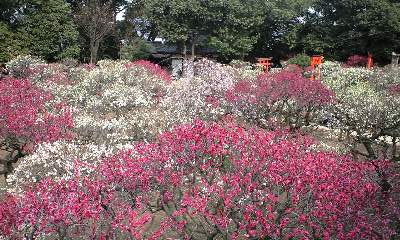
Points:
x=184 y=49
x=193 y=48
x=94 y=48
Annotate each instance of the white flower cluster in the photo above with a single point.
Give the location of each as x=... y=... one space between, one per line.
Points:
x=364 y=106
x=137 y=124
x=112 y=103
x=22 y=63
x=248 y=70
x=338 y=78
x=58 y=160
x=201 y=96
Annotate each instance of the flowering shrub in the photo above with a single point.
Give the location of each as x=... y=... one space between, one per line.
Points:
x=20 y=66
x=286 y=96
x=366 y=109
x=114 y=86
x=201 y=96
x=60 y=160
x=28 y=116
x=152 y=68
x=53 y=78
x=24 y=114
x=357 y=61
x=113 y=103
x=338 y=78
x=208 y=181
x=247 y=70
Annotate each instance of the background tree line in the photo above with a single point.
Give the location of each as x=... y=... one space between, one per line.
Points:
x=88 y=29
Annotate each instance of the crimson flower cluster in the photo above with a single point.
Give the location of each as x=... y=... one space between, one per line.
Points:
x=287 y=94
x=205 y=181
x=152 y=68
x=29 y=116
x=357 y=61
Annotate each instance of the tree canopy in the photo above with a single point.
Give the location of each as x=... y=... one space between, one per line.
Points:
x=233 y=28
x=342 y=28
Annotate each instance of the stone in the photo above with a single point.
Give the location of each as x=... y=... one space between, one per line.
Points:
x=177 y=67
x=395 y=59
x=4 y=154
x=3 y=182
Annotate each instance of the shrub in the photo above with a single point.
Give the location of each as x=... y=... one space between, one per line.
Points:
x=366 y=109
x=301 y=60
x=246 y=69
x=357 y=61
x=338 y=78
x=285 y=96
x=28 y=116
x=60 y=160
x=207 y=181
x=24 y=114
x=117 y=101
x=201 y=96
x=152 y=68
x=20 y=66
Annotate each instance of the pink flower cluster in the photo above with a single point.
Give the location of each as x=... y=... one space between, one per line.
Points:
x=24 y=114
x=394 y=89
x=152 y=68
x=210 y=181
x=357 y=61
x=287 y=93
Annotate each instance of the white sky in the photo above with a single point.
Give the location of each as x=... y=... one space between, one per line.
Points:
x=121 y=15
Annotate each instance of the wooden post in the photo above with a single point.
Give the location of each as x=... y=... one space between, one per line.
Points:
x=370 y=62
x=316 y=60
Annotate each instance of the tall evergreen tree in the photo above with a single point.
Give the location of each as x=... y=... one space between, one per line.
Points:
x=46 y=29
x=343 y=27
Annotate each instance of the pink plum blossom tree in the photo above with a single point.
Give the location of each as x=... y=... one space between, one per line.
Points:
x=207 y=181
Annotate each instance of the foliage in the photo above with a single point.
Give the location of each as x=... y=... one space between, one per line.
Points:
x=176 y=20
x=229 y=26
x=205 y=181
x=96 y=19
x=232 y=26
x=47 y=30
x=6 y=37
x=301 y=60
x=351 y=27
x=138 y=49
